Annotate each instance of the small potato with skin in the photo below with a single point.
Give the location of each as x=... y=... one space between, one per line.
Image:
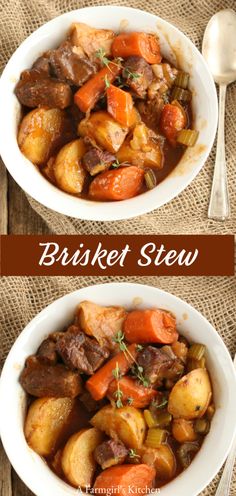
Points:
x=162 y=459
x=102 y=128
x=68 y=170
x=39 y=133
x=151 y=157
x=191 y=395
x=45 y=422
x=78 y=462
x=126 y=424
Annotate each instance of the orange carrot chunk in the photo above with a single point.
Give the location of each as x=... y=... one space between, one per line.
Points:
x=173 y=119
x=88 y=95
x=99 y=383
x=138 y=395
x=141 y=44
x=117 y=184
x=120 y=479
x=150 y=326
x=120 y=106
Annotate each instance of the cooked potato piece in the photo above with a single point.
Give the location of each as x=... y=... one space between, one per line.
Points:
x=101 y=127
x=126 y=424
x=162 y=459
x=45 y=422
x=48 y=170
x=78 y=462
x=191 y=395
x=142 y=149
x=101 y=322
x=68 y=170
x=88 y=40
x=39 y=132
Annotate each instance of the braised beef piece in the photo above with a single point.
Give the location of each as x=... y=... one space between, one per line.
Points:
x=138 y=75
x=69 y=66
x=47 y=352
x=110 y=453
x=79 y=352
x=75 y=115
x=159 y=364
x=150 y=111
x=37 y=90
x=42 y=64
x=42 y=380
x=90 y=404
x=95 y=161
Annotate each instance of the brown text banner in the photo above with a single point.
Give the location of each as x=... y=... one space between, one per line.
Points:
x=167 y=255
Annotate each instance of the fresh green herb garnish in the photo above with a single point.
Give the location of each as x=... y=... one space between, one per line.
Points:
x=131 y=75
x=156 y=404
x=107 y=82
x=139 y=347
x=130 y=400
x=101 y=55
x=136 y=369
x=118 y=393
x=133 y=453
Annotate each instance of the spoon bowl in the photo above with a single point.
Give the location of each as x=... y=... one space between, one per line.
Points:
x=219 y=46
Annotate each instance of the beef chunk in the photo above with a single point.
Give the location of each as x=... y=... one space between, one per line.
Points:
x=159 y=364
x=90 y=404
x=110 y=453
x=37 y=90
x=47 y=352
x=43 y=380
x=150 y=111
x=42 y=64
x=70 y=67
x=96 y=161
x=80 y=352
x=138 y=75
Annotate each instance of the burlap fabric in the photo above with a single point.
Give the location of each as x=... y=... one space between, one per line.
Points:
x=22 y=298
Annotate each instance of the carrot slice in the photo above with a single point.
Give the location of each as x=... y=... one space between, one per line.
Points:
x=120 y=106
x=120 y=479
x=141 y=396
x=173 y=119
x=141 y=44
x=99 y=383
x=88 y=95
x=117 y=184
x=150 y=326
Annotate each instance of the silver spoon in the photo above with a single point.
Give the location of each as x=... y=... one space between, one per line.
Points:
x=225 y=481
x=219 y=50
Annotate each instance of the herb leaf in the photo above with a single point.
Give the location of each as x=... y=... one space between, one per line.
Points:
x=101 y=55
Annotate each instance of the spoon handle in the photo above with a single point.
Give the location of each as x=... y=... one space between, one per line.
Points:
x=224 y=485
x=219 y=207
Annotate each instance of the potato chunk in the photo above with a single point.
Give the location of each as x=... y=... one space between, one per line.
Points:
x=78 y=462
x=101 y=322
x=39 y=133
x=126 y=424
x=142 y=149
x=45 y=423
x=102 y=128
x=68 y=170
x=191 y=395
x=162 y=459
x=88 y=40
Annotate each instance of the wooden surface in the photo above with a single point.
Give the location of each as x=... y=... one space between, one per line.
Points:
x=16 y=215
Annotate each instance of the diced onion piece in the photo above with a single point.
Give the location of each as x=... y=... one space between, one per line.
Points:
x=169 y=74
x=187 y=137
x=158 y=70
x=202 y=426
x=197 y=351
x=181 y=94
x=149 y=418
x=155 y=437
x=182 y=80
x=150 y=179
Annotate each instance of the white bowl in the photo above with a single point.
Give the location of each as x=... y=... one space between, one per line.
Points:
x=34 y=471
x=175 y=46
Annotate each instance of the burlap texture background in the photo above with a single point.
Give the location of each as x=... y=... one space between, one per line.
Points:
x=22 y=298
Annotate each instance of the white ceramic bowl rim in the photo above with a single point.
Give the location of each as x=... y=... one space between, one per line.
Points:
x=31 y=468
x=29 y=178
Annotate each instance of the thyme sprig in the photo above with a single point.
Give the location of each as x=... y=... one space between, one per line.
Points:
x=136 y=369
x=133 y=453
x=101 y=55
x=118 y=393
